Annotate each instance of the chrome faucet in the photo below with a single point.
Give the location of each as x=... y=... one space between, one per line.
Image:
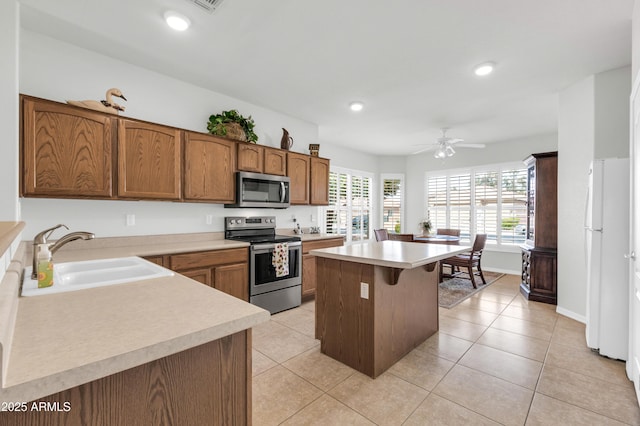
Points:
x=41 y=239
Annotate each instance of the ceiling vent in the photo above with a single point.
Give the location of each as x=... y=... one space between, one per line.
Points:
x=209 y=6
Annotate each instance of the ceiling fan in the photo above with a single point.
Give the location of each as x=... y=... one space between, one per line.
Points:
x=443 y=146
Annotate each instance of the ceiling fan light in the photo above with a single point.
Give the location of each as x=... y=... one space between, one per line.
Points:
x=449 y=151
x=484 y=69
x=176 y=20
x=440 y=153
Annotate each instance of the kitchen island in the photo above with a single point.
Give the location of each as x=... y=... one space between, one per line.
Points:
x=377 y=301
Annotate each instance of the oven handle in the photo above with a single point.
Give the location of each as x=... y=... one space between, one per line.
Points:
x=271 y=246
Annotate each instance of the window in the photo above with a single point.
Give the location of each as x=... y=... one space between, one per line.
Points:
x=393 y=202
x=349 y=206
x=489 y=200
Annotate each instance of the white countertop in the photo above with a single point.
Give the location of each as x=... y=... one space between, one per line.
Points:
x=68 y=339
x=394 y=254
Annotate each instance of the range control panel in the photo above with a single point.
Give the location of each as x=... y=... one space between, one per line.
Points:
x=254 y=222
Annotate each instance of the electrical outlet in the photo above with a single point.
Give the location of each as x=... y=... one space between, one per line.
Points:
x=313 y=218
x=208 y=219
x=364 y=290
x=131 y=220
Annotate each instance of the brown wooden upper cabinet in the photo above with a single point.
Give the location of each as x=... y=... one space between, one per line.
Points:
x=275 y=161
x=262 y=159
x=319 y=191
x=66 y=151
x=209 y=168
x=298 y=171
x=149 y=161
x=250 y=157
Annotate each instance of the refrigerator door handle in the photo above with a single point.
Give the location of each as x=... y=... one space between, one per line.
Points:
x=631 y=255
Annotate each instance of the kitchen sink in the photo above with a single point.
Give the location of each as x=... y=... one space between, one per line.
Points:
x=71 y=276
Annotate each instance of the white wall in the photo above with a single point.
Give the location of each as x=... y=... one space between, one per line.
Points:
x=611 y=94
x=635 y=42
x=494 y=153
x=59 y=71
x=593 y=123
x=9 y=116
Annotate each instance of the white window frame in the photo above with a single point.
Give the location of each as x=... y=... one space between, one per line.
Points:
x=398 y=176
x=372 y=200
x=496 y=245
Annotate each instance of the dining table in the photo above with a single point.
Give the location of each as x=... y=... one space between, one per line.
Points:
x=437 y=239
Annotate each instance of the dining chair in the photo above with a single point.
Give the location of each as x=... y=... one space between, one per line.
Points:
x=467 y=260
x=445 y=231
x=401 y=237
x=381 y=234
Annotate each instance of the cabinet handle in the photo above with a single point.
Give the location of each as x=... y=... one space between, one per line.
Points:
x=631 y=255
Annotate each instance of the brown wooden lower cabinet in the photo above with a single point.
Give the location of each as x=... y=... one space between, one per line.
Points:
x=309 y=263
x=206 y=385
x=225 y=270
x=539 y=272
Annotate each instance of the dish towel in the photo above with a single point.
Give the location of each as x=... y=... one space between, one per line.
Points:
x=280 y=259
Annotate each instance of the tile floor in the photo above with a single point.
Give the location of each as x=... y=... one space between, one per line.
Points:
x=497 y=359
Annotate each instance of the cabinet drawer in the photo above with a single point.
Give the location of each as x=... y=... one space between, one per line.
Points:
x=208 y=258
x=320 y=244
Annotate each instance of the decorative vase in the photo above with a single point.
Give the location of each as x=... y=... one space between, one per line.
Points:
x=287 y=141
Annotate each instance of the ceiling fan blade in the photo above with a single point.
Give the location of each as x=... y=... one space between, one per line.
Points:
x=470 y=145
x=430 y=148
x=454 y=141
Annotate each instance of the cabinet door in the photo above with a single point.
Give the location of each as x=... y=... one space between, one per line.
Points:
x=66 y=150
x=250 y=157
x=201 y=275
x=298 y=172
x=148 y=161
x=275 y=162
x=209 y=168
x=233 y=280
x=158 y=260
x=319 y=181
x=308 y=275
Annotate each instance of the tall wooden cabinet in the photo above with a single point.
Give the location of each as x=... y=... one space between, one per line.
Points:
x=539 y=253
x=66 y=151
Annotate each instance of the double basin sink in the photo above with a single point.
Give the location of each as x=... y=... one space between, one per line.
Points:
x=71 y=276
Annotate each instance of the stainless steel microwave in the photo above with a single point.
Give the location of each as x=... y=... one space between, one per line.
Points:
x=261 y=190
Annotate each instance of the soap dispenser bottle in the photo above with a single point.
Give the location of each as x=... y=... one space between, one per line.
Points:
x=45 y=266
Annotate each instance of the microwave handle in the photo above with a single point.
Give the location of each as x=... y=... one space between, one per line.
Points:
x=283 y=192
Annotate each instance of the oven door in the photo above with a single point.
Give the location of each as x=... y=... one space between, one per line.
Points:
x=262 y=275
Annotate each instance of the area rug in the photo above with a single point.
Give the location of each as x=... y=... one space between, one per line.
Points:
x=454 y=290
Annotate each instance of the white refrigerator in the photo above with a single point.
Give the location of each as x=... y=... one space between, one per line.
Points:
x=606 y=242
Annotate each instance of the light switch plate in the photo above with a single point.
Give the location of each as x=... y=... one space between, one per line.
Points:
x=364 y=290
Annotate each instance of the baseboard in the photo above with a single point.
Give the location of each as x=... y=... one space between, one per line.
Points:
x=503 y=271
x=572 y=315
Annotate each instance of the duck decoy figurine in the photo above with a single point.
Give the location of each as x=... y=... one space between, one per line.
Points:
x=103 y=106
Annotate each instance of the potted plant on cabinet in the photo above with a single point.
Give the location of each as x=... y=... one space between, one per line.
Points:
x=232 y=125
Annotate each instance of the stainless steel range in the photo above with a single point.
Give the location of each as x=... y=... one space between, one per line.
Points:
x=275 y=262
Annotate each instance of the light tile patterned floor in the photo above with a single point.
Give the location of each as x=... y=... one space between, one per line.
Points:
x=497 y=359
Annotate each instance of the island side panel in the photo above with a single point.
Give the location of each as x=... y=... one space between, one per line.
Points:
x=406 y=313
x=344 y=320
x=208 y=384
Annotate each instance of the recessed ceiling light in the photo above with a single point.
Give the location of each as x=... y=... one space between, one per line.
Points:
x=484 y=69
x=356 y=106
x=176 y=20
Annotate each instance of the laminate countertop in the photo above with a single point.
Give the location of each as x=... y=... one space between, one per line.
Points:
x=394 y=254
x=67 y=339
